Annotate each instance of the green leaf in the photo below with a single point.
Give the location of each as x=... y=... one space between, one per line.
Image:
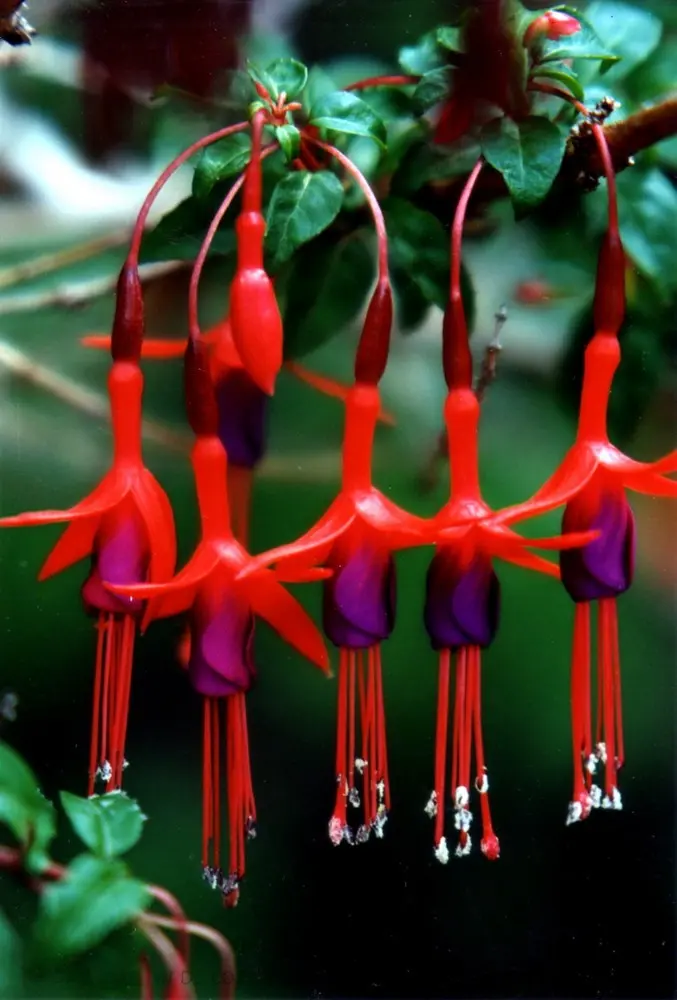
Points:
x=527 y=153
x=585 y=44
x=23 y=808
x=95 y=897
x=419 y=256
x=260 y=76
x=289 y=76
x=224 y=159
x=302 y=206
x=431 y=89
x=319 y=85
x=427 y=54
x=627 y=30
x=179 y=234
x=289 y=139
x=11 y=985
x=449 y=38
x=340 y=276
x=561 y=74
x=424 y=162
x=344 y=113
x=666 y=151
x=648 y=214
x=108 y=825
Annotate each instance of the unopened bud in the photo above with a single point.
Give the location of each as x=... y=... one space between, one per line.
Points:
x=554 y=24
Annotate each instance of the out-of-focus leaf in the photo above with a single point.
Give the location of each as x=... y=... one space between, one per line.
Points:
x=527 y=153
x=427 y=54
x=109 y=825
x=286 y=76
x=654 y=77
x=179 y=234
x=11 y=985
x=319 y=85
x=432 y=88
x=95 y=897
x=561 y=74
x=666 y=152
x=585 y=44
x=648 y=215
x=304 y=203
x=340 y=276
x=217 y=163
x=449 y=38
x=346 y=114
x=424 y=162
x=628 y=30
x=28 y=814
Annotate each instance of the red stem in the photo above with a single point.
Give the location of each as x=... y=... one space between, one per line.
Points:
x=251 y=200
x=383 y=81
x=372 y=201
x=207 y=140
x=553 y=91
x=610 y=174
x=193 y=321
x=455 y=346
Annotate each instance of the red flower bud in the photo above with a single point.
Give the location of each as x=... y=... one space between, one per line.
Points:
x=609 y=306
x=128 y=324
x=553 y=24
x=374 y=345
x=201 y=405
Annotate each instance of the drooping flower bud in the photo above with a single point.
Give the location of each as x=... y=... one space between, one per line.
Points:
x=120 y=554
x=359 y=597
x=462 y=602
x=221 y=649
x=605 y=566
x=554 y=24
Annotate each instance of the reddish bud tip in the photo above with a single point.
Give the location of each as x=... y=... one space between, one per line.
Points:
x=201 y=407
x=456 y=357
x=128 y=323
x=609 y=306
x=552 y=25
x=372 y=351
x=256 y=326
x=491 y=848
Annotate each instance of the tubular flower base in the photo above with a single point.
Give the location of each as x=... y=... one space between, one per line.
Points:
x=462 y=617
x=126 y=526
x=591 y=482
x=355 y=540
x=222 y=600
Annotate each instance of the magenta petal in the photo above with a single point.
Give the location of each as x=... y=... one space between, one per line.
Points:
x=120 y=556
x=462 y=604
x=605 y=566
x=359 y=598
x=222 y=632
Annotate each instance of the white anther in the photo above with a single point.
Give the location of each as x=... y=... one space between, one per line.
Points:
x=600 y=752
x=462 y=850
x=591 y=763
x=482 y=784
x=431 y=806
x=595 y=796
x=335 y=830
x=614 y=801
x=360 y=764
x=381 y=789
x=105 y=771
x=575 y=813
x=354 y=798
x=461 y=797
x=442 y=851
x=463 y=820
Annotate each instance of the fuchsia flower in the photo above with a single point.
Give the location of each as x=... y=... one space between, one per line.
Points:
x=592 y=482
x=463 y=592
x=126 y=527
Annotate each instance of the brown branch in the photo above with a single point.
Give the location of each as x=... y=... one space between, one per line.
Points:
x=637 y=132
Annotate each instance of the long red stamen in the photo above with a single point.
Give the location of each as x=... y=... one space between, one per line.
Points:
x=360 y=685
x=608 y=667
x=110 y=704
x=467 y=735
x=584 y=760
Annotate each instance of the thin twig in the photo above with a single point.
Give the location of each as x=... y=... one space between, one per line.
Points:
x=220 y=944
x=80 y=293
x=46 y=263
x=490 y=360
x=80 y=397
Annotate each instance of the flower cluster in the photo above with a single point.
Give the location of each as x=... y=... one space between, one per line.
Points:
x=125 y=527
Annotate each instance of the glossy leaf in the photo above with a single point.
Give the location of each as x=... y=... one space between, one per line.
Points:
x=648 y=214
x=11 y=985
x=109 y=825
x=449 y=38
x=95 y=897
x=224 y=159
x=344 y=113
x=432 y=88
x=628 y=30
x=561 y=74
x=288 y=76
x=340 y=275
x=585 y=44
x=23 y=808
x=527 y=153
x=289 y=139
x=303 y=204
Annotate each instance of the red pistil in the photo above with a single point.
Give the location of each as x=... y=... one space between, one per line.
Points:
x=110 y=709
x=384 y=81
x=360 y=686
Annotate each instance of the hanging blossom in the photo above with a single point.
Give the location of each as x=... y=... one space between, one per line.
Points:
x=126 y=527
x=222 y=600
x=463 y=592
x=356 y=539
x=592 y=482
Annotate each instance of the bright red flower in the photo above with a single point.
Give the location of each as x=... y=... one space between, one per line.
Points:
x=222 y=600
x=553 y=25
x=126 y=526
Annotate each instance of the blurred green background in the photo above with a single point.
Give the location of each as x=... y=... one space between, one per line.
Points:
x=587 y=911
